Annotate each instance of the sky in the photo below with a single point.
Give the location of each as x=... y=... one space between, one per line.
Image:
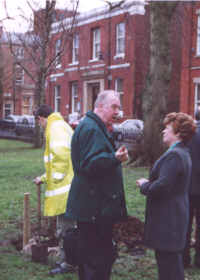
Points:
x=15 y=8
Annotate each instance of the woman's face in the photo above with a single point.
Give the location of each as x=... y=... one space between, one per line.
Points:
x=169 y=137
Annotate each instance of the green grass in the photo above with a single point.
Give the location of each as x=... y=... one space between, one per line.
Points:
x=19 y=165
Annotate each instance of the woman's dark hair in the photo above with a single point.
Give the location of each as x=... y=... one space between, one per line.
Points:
x=182 y=123
x=43 y=111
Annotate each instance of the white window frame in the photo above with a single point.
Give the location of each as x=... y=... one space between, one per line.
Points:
x=57 y=98
x=4 y=109
x=57 y=53
x=120 y=39
x=74 y=97
x=196 y=100
x=198 y=36
x=19 y=79
x=19 y=52
x=75 y=48
x=96 y=46
x=121 y=92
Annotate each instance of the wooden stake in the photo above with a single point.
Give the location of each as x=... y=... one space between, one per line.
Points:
x=26 y=222
x=39 y=205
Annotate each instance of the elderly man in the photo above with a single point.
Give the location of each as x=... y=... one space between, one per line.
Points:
x=96 y=199
x=59 y=171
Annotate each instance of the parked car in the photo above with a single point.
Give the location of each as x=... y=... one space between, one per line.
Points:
x=9 y=123
x=130 y=134
x=25 y=126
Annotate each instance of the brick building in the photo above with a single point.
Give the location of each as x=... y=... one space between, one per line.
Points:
x=18 y=91
x=108 y=50
x=190 y=76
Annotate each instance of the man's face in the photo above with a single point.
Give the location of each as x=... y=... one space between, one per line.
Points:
x=110 y=110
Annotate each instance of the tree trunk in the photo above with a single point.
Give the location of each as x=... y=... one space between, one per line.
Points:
x=1 y=81
x=40 y=99
x=154 y=99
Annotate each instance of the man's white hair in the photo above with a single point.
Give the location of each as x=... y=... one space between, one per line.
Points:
x=103 y=96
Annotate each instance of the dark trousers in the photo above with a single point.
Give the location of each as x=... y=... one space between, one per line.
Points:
x=170 y=265
x=99 y=251
x=194 y=213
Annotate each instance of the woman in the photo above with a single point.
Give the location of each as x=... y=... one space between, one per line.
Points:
x=167 y=208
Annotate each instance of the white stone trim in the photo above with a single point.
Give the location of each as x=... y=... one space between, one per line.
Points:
x=130 y=6
x=71 y=69
x=56 y=75
x=125 y=65
x=196 y=80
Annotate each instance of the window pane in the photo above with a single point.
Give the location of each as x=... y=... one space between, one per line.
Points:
x=74 y=97
x=57 y=98
x=198 y=36
x=96 y=43
x=120 y=38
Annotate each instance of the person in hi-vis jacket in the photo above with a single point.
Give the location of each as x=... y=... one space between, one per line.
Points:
x=58 y=167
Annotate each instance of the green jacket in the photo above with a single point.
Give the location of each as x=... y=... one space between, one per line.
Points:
x=97 y=187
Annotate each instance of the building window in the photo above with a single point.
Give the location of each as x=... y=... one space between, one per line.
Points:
x=19 y=75
x=198 y=36
x=75 y=48
x=75 y=105
x=19 y=53
x=119 y=87
x=58 y=53
x=57 y=99
x=27 y=105
x=197 y=97
x=7 y=109
x=96 y=46
x=120 y=38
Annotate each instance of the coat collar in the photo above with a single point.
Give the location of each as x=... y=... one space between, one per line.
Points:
x=101 y=124
x=96 y=118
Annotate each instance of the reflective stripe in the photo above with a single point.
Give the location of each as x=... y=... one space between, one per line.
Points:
x=56 y=144
x=48 y=158
x=61 y=190
x=58 y=175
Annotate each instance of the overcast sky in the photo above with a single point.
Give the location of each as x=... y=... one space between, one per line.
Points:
x=15 y=8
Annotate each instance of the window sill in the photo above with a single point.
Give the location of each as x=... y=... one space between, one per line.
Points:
x=93 y=60
x=74 y=63
x=121 y=55
x=58 y=66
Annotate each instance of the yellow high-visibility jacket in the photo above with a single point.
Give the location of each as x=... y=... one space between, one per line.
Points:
x=58 y=165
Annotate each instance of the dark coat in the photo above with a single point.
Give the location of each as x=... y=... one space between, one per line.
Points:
x=167 y=208
x=194 y=147
x=97 y=187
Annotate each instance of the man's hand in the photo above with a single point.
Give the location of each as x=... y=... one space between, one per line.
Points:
x=37 y=180
x=141 y=181
x=122 y=154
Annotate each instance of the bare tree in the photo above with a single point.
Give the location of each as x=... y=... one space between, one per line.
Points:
x=39 y=56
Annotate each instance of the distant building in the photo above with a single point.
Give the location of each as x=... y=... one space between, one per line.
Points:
x=18 y=91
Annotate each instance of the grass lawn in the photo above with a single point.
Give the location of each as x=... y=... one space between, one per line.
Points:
x=19 y=165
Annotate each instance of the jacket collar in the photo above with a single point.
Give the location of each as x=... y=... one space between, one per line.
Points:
x=101 y=124
x=96 y=118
